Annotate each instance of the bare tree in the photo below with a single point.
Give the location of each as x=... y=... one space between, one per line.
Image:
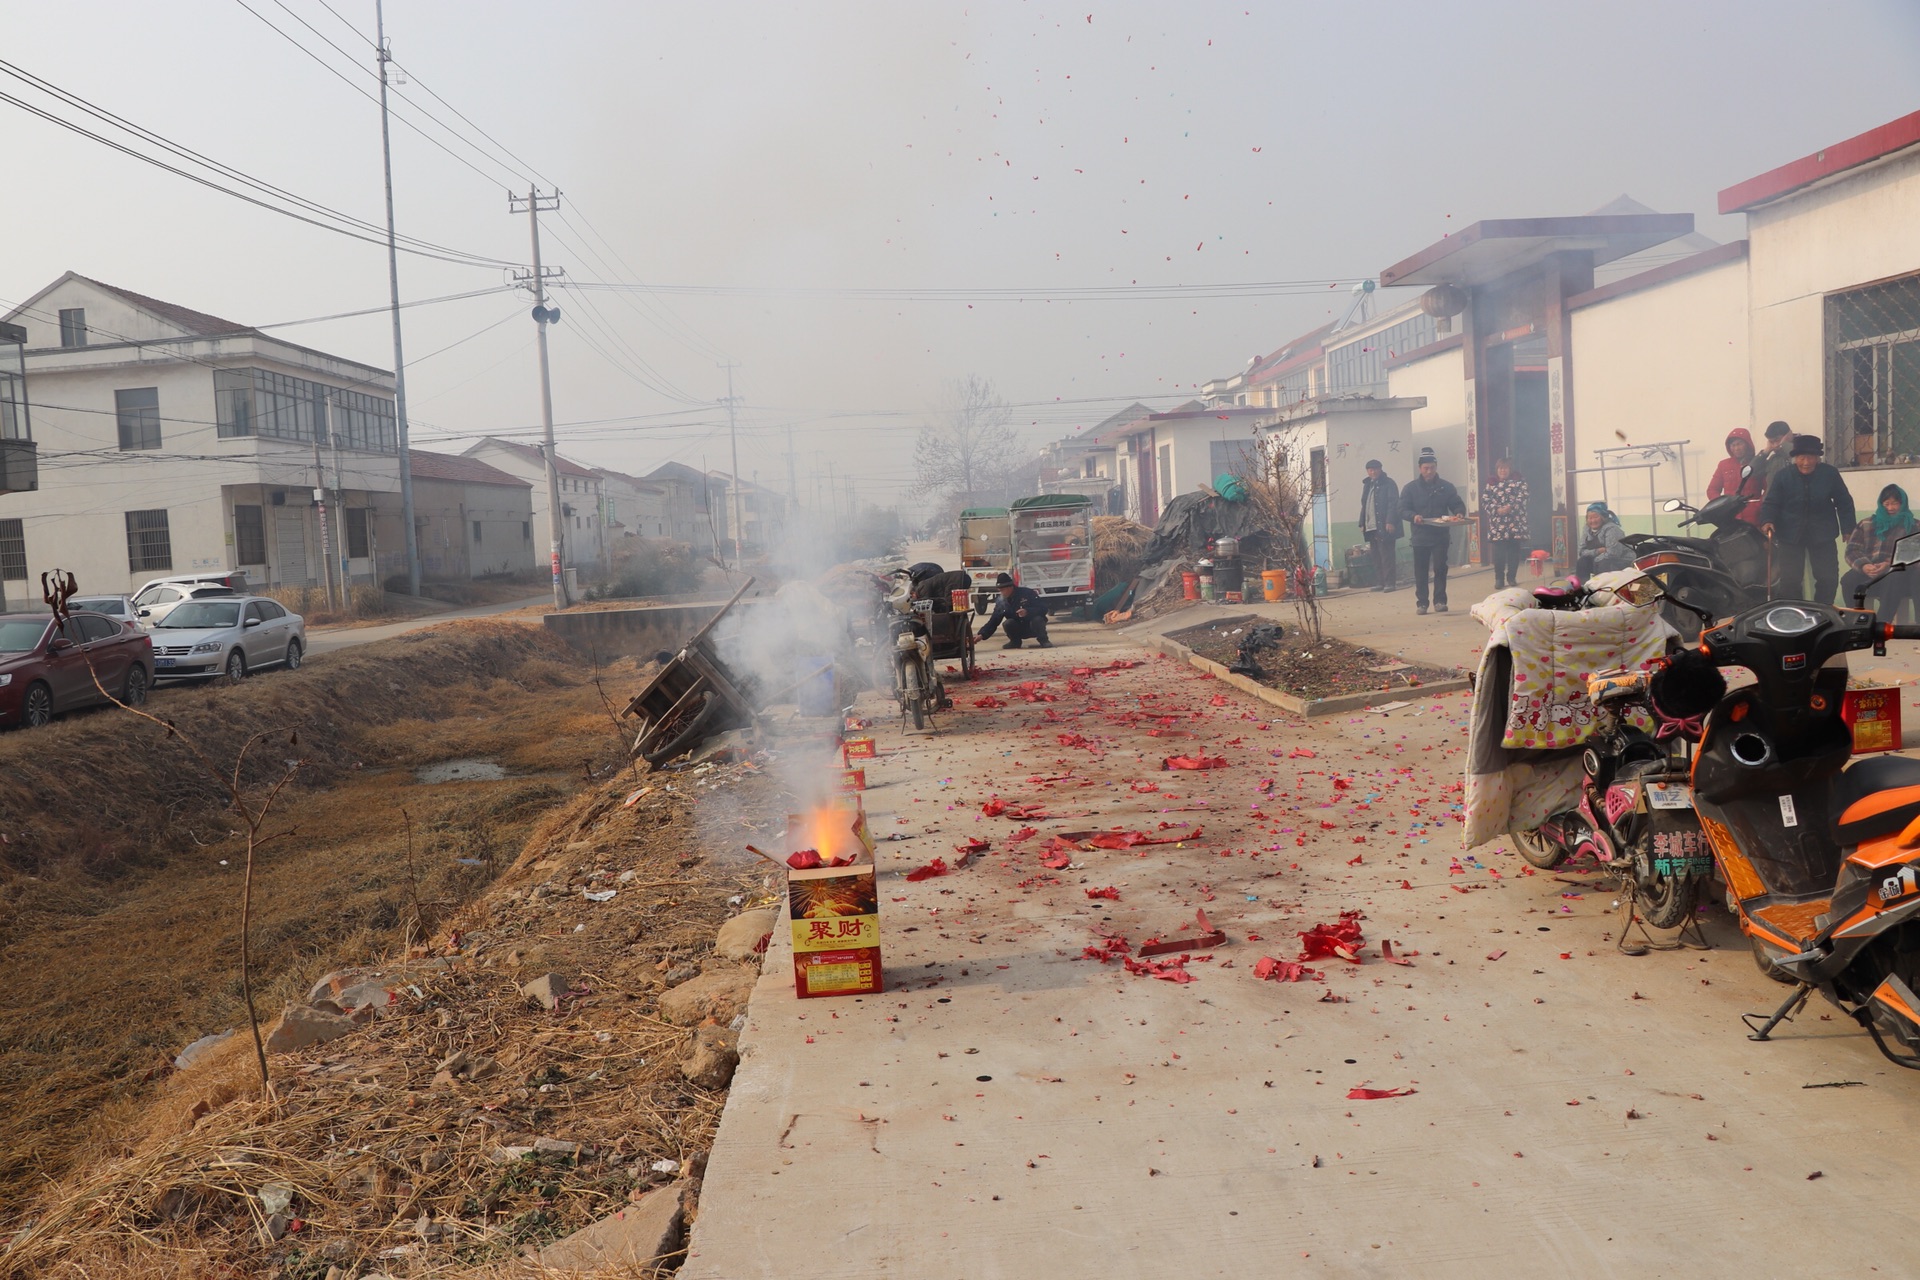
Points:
x=970 y=443
x=1276 y=474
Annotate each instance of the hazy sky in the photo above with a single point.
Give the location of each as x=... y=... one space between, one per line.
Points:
x=778 y=156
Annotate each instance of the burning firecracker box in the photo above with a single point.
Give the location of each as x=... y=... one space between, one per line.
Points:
x=1874 y=716
x=835 y=909
x=857 y=748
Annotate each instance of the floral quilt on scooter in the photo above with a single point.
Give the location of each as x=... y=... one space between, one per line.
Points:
x=1530 y=706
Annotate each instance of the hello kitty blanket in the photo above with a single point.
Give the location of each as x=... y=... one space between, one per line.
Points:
x=1530 y=707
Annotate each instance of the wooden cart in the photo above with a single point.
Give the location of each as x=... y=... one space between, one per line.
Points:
x=693 y=697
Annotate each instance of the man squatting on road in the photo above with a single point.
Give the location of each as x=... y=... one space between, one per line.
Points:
x=1024 y=613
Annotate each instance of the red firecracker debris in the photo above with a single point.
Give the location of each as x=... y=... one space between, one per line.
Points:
x=1386 y=953
x=989 y=702
x=1270 y=970
x=1301 y=753
x=1145 y=788
x=937 y=867
x=1495 y=955
x=994 y=807
x=1340 y=940
x=808 y=859
x=1205 y=936
x=1194 y=762
x=1110 y=893
x=1364 y=1095
x=1024 y=833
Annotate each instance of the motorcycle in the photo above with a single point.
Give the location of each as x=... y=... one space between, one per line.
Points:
x=1821 y=859
x=1634 y=813
x=917 y=685
x=1721 y=574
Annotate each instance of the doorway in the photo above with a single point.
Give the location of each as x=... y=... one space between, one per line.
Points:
x=1532 y=453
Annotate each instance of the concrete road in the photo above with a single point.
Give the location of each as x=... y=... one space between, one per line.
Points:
x=1011 y=1109
x=330 y=639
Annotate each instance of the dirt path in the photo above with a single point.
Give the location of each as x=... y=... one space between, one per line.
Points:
x=1012 y=1108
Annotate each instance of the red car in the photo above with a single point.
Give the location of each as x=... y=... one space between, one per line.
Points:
x=47 y=669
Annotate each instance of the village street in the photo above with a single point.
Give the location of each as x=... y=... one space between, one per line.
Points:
x=1027 y=1099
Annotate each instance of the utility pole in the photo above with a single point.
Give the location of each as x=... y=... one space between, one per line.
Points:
x=320 y=504
x=543 y=315
x=384 y=55
x=733 y=438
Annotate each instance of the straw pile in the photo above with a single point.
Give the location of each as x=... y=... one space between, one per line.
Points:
x=465 y=1123
x=1118 y=544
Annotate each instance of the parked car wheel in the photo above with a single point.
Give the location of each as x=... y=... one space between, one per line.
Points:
x=236 y=666
x=36 y=711
x=294 y=656
x=135 y=694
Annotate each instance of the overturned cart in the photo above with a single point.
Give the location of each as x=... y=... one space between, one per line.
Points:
x=693 y=697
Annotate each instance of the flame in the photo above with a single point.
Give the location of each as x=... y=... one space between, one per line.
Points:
x=834 y=832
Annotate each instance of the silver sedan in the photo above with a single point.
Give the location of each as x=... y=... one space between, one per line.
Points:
x=230 y=636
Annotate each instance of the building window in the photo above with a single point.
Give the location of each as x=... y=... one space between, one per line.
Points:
x=357 y=542
x=249 y=535
x=476 y=531
x=526 y=531
x=73 y=326
x=1232 y=458
x=1873 y=374
x=13 y=551
x=249 y=402
x=139 y=413
x=149 y=544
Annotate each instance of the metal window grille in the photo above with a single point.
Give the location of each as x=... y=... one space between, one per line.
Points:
x=249 y=535
x=149 y=543
x=1873 y=374
x=13 y=551
x=139 y=412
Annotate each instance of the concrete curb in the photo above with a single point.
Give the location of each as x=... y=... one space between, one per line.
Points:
x=1311 y=709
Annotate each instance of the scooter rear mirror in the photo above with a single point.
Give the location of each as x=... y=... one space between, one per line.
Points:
x=1746 y=471
x=1907 y=550
x=1674 y=504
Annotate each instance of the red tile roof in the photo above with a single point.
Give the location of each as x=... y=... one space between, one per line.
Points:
x=198 y=323
x=531 y=454
x=447 y=466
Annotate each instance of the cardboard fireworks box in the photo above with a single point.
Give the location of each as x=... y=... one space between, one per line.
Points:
x=853 y=780
x=857 y=748
x=835 y=910
x=1874 y=716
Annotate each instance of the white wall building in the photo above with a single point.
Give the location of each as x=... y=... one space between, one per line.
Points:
x=582 y=513
x=473 y=520
x=173 y=441
x=636 y=508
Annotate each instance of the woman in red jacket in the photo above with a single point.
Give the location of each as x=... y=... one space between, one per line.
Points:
x=1726 y=476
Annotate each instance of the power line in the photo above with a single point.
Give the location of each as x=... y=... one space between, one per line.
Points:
x=344 y=224
x=1035 y=293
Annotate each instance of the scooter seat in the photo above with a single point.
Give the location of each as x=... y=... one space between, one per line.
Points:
x=1876 y=797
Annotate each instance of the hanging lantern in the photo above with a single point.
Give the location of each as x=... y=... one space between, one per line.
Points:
x=1444 y=300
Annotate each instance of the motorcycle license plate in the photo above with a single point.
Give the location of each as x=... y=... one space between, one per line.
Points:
x=1669 y=795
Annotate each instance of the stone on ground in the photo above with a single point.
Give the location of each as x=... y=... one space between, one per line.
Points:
x=745 y=936
x=718 y=995
x=300 y=1026
x=643 y=1232
x=711 y=1057
x=546 y=990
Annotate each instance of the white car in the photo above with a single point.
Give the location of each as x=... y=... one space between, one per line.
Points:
x=119 y=608
x=230 y=636
x=157 y=596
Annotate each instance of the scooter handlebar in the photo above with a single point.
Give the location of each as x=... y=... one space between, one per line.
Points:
x=1903 y=631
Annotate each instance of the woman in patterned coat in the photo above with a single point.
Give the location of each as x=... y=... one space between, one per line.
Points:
x=1504 y=504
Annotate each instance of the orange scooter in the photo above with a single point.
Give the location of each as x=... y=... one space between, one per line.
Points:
x=1821 y=859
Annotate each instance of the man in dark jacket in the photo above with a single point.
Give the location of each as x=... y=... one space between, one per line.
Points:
x=1773 y=459
x=1023 y=611
x=1380 y=523
x=1807 y=506
x=1431 y=505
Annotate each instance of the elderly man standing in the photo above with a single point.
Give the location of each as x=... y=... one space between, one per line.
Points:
x=1380 y=523
x=1807 y=506
x=1432 y=506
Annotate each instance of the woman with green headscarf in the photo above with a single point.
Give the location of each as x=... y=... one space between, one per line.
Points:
x=1870 y=553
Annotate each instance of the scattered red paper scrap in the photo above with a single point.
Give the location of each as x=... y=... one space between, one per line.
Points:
x=994 y=807
x=1386 y=953
x=976 y=845
x=989 y=702
x=1205 y=936
x=1495 y=955
x=1270 y=970
x=1368 y=1094
x=1340 y=940
x=1145 y=787
x=937 y=867
x=1194 y=762
x=1110 y=893
x=1301 y=753
x=808 y=859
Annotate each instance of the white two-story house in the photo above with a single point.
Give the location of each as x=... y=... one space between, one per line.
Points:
x=173 y=441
